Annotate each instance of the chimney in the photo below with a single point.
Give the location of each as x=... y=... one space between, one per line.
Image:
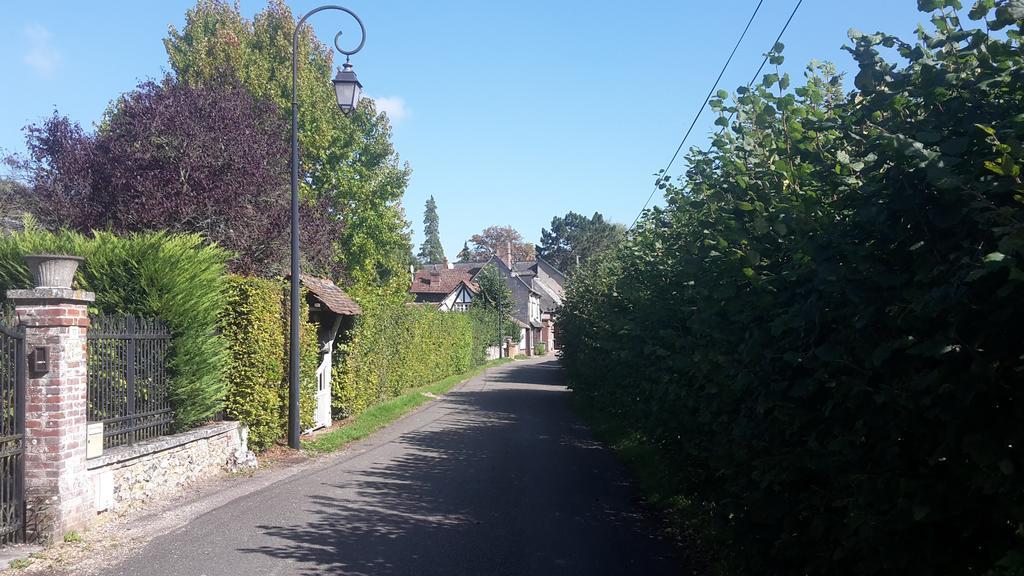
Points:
x=448 y=264
x=505 y=254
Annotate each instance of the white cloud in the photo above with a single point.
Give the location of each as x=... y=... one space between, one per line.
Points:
x=42 y=56
x=394 y=106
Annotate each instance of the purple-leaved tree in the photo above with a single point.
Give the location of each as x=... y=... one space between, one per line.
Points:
x=170 y=156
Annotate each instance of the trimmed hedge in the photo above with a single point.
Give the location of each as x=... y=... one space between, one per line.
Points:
x=255 y=326
x=177 y=278
x=485 y=332
x=394 y=347
x=820 y=332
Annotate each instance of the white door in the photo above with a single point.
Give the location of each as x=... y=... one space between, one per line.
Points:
x=323 y=392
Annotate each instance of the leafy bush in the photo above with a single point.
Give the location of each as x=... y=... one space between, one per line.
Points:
x=394 y=347
x=822 y=329
x=174 y=277
x=485 y=331
x=255 y=326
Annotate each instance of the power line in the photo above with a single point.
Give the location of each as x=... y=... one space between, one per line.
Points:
x=763 y=62
x=701 y=109
x=712 y=91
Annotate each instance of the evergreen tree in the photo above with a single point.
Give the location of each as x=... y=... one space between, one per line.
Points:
x=464 y=255
x=431 y=251
x=577 y=238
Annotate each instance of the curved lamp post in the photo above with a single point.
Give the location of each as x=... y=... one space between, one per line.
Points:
x=348 y=90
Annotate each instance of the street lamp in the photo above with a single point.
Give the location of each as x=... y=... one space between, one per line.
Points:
x=348 y=90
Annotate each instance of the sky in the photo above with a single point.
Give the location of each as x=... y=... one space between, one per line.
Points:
x=507 y=113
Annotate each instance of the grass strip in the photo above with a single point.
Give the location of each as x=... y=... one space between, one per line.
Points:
x=379 y=416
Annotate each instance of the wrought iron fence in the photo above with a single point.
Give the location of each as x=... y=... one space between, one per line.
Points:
x=128 y=381
x=12 y=435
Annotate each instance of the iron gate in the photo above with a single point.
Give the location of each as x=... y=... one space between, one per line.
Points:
x=12 y=435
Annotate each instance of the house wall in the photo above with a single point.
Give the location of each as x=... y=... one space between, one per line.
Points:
x=520 y=291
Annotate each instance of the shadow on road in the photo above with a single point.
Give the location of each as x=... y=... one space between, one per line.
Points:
x=505 y=482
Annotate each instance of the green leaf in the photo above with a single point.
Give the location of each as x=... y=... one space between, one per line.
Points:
x=994 y=257
x=745 y=206
x=981 y=9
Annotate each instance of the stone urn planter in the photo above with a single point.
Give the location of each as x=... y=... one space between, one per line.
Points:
x=53 y=270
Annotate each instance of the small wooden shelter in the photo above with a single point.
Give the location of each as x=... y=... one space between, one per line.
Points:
x=333 y=312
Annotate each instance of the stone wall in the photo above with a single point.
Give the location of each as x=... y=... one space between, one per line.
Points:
x=127 y=476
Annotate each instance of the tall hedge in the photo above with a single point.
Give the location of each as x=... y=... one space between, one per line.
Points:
x=484 y=323
x=255 y=326
x=177 y=278
x=822 y=330
x=393 y=347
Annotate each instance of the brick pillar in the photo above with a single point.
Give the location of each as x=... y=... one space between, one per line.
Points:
x=56 y=478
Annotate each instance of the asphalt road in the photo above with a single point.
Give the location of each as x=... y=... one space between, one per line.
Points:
x=496 y=478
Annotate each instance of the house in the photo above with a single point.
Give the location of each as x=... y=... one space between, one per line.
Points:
x=549 y=283
x=332 y=311
x=537 y=290
x=449 y=286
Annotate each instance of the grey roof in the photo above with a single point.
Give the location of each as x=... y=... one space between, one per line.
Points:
x=499 y=261
x=525 y=268
x=549 y=300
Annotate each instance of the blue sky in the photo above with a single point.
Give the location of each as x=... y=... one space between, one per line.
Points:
x=508 y=113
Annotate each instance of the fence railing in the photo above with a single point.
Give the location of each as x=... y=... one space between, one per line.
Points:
x=12 y=435
x=128 y=381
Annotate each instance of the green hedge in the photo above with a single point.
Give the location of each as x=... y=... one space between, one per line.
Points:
x=255 y=326
x=394 y=347
x=485 y=332
x=821 y=331
x=174 y=277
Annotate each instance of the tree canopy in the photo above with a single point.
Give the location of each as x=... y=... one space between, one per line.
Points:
x=347 y=163
x=575 y=238
x=494 y=293
x=493 y=240
x=180 y=158
x=431 y=251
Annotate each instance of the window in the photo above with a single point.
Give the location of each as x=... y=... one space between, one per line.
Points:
x=460 y=306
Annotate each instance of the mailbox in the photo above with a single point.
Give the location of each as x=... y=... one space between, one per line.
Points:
x=39 y=362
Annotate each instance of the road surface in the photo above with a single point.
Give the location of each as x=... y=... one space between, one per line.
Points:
x=496 y=478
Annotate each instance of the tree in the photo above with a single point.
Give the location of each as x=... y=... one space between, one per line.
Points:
x=347 y=162
x=494 y=300
x=494 y=293
x=464 y=255
x=15 y=201
x=431 y=251
x=170 y=156
x=493 y=240
x=574 y=239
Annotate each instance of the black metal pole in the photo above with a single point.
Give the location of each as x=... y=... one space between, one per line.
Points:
x=293 y=325
x=501 y=353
